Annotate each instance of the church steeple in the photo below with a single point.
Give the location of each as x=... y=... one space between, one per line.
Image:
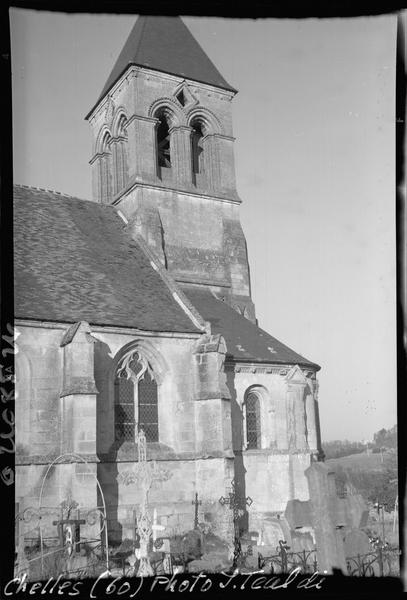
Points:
x=163 y=154
x=165 y=44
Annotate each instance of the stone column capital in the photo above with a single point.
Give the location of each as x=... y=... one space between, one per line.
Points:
x=152 y=120
x=175 y=128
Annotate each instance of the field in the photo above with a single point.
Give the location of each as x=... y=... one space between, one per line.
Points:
x=362 y=461
x=372 y=476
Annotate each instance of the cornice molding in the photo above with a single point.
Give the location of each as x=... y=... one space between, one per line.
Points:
x=264 y=369
x=182 y=192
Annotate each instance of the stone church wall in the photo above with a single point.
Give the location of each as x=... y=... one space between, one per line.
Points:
x=38 y=385
x=194 y=447
x=200 y=239
x=201 y=426
x=175 y=390
x=273 y=473
x=172 y=498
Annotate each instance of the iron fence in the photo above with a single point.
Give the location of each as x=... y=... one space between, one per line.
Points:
x=382 y=562
x=284 y=561
x=53 y=561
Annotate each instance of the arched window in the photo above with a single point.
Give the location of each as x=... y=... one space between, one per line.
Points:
x=119 y=146
x=253 y=425
x=135 y=399
x=197 y=148
x=163 y=143
x=105 y=175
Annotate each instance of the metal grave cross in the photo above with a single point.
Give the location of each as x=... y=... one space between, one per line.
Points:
x=196 y=502
x=235 y=504
x=69 y=529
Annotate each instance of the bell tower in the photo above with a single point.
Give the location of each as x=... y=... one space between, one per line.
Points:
x=163 y=156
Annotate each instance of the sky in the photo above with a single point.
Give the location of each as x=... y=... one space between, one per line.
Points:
x=314 y=122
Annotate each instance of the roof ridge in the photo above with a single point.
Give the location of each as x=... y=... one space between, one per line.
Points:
x=143 y=28
x=48 y=190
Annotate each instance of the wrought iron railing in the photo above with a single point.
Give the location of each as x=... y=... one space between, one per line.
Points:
x=284 y=561
x=53 y=561
x=381 y=562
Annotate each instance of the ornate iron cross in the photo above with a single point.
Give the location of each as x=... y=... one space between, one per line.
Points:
x=144 y=474
x=234 y=501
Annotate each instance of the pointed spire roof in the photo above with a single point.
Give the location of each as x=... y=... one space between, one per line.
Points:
x=165 y=44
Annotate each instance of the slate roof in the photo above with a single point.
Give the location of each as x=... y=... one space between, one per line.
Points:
x=244 y=340
x=74 y=262
x=165 y=44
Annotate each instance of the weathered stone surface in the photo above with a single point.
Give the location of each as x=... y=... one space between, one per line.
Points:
x=356 y=542
x=298 y=514
x=329 y=544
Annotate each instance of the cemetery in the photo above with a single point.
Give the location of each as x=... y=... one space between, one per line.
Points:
x=159 y=429
x=72 y=542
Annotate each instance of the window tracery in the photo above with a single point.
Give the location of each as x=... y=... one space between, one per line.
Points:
x=136 y=399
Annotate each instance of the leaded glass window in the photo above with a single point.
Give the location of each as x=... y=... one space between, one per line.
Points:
x=124 y=417
x=148 y=407
x=253 y=434
x=136 y=400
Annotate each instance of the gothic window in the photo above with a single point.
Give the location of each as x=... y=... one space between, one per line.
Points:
x=253 y=432
x=136 y=400
x=124 y=416
x=163 y=143
x=148 y=407
x=197 y=149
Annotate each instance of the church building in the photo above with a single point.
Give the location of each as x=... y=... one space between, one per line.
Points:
x=134 y=313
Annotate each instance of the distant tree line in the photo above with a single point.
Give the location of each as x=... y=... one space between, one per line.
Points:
x=384 y=439
x=340 y=448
